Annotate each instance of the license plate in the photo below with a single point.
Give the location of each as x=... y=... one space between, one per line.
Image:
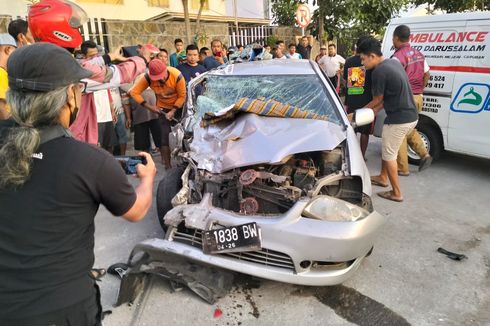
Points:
x=245 y=237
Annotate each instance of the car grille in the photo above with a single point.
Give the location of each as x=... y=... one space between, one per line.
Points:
x=263 y=257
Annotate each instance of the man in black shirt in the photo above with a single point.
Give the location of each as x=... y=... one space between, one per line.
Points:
x=391 y=90
x=304 y=48
x=51 y=186
x=358 y=91
x=191 y=68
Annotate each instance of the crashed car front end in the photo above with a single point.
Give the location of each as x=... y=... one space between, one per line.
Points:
x=296 y=183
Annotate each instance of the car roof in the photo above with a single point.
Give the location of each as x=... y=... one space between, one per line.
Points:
x=442 y=18
x=267 y=67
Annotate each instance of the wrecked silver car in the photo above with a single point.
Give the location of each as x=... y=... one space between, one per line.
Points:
x=270 y=179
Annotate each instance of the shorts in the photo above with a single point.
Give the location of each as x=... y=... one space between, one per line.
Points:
x=142 y=134
x=165 y=126
x=87 y=312
x=107 y=135
x=392 y=138
x=120 y=129
x=366 y=129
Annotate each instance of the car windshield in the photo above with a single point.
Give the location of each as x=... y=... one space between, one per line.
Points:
x=304 y=91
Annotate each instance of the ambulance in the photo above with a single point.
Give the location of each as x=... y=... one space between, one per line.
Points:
x=456 y=110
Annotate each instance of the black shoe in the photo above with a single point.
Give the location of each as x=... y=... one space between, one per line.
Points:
x=425 y=163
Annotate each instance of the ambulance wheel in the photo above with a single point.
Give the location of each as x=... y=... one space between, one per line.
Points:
x=432 y=140
x=168 y=187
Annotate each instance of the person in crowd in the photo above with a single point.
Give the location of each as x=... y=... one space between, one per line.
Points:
x=391 y=90
x=331 y=64
x=48 y=16
x=277 y=52
x=47 y=246
x=89 y=50
x=19 y=30
x=415 y=65
x=204 y=52
x=292 y=52
x=304 y=48
x=168 y=84
x=179 y=47
x=358 y=93
x=323 y=52
x=144 y=122
x=191 y=68
x=267 y=53
x=218 y=51
x=282 y=46
x=120 y=125
x=239 y=48
x=7 y=47
x=163 y=55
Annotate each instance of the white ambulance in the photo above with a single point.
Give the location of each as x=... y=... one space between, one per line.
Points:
x=456 y=111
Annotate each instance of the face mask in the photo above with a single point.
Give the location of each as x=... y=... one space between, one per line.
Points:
x=74 y=113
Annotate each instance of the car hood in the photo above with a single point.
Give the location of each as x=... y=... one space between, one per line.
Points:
x=251 y=139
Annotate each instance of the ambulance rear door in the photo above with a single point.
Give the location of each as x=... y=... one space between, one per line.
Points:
x=469 y=118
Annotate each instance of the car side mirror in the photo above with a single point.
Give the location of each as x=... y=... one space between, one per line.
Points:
x=362 y=117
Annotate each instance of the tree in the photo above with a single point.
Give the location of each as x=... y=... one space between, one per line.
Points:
x=284 y=11
x=185 y=3
x=451 y=6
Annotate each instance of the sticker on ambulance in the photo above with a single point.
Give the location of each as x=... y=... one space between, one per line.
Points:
x=471 y=98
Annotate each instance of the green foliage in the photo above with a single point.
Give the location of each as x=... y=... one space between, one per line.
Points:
x=451 y=6
x=284 y=11
x=271 y=41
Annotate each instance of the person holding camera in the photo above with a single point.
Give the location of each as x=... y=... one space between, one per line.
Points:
x=51 y=186
x=168 y=84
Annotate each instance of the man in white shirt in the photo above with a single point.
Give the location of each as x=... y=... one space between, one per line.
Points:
x=292 y=52
x=331 y=64
x=105 y=119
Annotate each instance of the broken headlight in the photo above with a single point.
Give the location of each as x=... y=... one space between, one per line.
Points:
x=331 y=209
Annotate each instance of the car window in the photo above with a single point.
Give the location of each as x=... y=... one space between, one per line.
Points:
x=304 y=91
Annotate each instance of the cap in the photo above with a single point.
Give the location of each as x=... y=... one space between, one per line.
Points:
x=43 y=67
x=150 y=47
x=157 y=69
x=7 y=39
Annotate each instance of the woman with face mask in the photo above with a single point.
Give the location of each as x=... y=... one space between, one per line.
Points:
x=51 y=186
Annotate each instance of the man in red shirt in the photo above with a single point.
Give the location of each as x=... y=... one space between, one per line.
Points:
x=418 y=74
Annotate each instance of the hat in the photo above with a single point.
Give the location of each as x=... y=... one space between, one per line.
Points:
x=150 y=47
x=7 y=39
x=157 y=69
x=43 y=67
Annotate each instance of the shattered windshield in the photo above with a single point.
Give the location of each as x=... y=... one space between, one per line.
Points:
x=304 y=91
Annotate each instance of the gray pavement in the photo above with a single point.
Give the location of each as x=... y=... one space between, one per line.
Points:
x=405 y=280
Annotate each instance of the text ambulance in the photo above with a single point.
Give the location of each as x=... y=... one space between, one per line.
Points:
x=456 y=111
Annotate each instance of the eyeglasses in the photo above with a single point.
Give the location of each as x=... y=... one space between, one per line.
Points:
x=82 y=85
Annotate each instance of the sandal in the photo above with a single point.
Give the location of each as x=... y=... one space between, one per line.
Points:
x=403 y=174
x=97 y=273
x=389 y=195
x=378 y=183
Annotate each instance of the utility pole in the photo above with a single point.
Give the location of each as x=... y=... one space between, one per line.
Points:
x=236 y=20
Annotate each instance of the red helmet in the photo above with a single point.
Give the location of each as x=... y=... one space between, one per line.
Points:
x=57 y=22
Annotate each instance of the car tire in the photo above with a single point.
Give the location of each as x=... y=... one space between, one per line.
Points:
x=168 y=187
x=432 y=139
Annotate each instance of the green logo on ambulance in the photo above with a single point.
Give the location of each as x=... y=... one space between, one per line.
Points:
x=471 y=98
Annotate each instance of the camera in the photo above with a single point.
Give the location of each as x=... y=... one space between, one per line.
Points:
x=129 y=163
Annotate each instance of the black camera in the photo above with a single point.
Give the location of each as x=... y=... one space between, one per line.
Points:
x=128 y=163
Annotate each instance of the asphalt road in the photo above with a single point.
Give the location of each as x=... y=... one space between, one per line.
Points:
x=404 y=282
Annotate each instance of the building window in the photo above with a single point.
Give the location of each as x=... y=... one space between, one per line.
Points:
x=158 y=3
x=196 y=3
x=111 y=2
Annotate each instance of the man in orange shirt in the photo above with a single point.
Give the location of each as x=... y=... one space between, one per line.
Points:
x=169 y=87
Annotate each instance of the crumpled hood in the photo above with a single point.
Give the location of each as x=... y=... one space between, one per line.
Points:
x=251 y=139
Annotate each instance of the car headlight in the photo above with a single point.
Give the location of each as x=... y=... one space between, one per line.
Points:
x=327 y=208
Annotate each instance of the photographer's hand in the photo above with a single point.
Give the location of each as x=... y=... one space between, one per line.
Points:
x=116 y=55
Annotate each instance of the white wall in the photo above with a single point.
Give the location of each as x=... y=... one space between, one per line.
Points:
x=246 y=8
x=13 y=8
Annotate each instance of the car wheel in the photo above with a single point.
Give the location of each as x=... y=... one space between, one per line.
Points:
x=168 y=187
x=432 y=141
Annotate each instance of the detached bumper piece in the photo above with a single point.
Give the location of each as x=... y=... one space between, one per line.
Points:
x=147 y=259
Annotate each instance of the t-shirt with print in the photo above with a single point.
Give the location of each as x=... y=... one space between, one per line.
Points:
x=189 y=72
x=47 y=226
x=359 y=83
x=391 y=81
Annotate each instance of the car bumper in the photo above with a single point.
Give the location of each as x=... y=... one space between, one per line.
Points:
x=295 y=250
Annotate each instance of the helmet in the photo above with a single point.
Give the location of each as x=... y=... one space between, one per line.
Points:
x=57 y=22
